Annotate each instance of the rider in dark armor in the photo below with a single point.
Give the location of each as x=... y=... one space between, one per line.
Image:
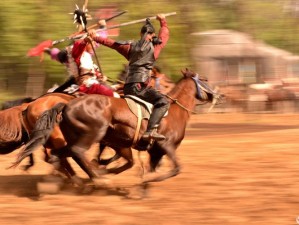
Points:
x=141 y=55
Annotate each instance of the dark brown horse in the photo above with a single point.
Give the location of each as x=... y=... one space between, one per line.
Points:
x=95 y=118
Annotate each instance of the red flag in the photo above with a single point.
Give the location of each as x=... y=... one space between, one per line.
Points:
x=39 y=49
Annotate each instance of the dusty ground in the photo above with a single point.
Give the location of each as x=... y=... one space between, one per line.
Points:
x=236 y=169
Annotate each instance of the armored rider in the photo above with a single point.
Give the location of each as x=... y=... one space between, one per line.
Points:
x=141 y=55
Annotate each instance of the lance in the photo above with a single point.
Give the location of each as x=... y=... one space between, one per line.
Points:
x=139 y=21
x=111 y=27
x=38 y=50
x=88 y=28
x=93 y=48
x=47 y=44
x=108 y=19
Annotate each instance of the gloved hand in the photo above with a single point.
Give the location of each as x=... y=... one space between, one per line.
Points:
x=160 y=17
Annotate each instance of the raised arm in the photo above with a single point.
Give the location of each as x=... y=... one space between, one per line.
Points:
x=163 y=35
x=123 y=49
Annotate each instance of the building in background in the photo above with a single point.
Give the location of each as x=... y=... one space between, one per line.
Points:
x=248 y=68
x=230 y=57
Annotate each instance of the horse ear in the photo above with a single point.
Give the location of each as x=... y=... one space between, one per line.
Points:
x=183 y=72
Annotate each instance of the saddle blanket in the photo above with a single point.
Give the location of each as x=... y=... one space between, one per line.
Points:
x=146 y=107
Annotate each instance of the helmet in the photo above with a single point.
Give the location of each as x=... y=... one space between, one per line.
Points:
x=147 y=27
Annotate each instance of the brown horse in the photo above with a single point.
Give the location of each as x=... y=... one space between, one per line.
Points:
x=18 y=122
x=95 y=118
x=13 y=133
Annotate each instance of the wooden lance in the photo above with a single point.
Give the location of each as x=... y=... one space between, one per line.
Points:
x=112 y=27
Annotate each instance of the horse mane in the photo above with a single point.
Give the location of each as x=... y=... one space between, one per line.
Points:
x=176 y=89
x=180 y=85
x=11 y=125
x=16 y=102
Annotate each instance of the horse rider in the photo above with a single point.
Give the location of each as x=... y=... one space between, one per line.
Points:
x=141 y=55
x=81 y=68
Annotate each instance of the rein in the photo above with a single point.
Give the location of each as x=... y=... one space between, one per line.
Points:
x=179 y=104
x=199 y=86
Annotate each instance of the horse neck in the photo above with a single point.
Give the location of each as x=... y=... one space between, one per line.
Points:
x=184 y=92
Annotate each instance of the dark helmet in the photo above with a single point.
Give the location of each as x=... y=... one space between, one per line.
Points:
x=147 y=27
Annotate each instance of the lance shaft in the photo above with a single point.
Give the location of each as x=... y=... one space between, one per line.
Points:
x=112 y=27
x=108 y=19
x=139 y=21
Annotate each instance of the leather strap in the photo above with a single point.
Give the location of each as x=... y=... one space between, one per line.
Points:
x=139 y=118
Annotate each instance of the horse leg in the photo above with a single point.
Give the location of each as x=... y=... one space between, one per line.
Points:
x=58 y=159
x=30 y=164
x=78 y=154
x=126 y=153
x=156 y=155
x=170 y=152
x=69 y=171
x=105 y=162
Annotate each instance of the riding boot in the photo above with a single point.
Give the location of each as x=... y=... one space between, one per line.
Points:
x=153 y=123
x=152 y=134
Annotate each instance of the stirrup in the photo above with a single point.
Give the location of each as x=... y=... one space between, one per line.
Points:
x=148 y=135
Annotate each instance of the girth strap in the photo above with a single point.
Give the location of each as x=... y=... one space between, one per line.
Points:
x=139 y=119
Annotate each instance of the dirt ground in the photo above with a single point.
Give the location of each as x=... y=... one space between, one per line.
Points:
x=236 y=169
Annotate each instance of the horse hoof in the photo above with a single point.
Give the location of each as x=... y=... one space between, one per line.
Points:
x=86 y=189
x=25 y=167
x=103 y=181
x=149 y=177
x=77 y=181
x=138 y=192
x=100 y=172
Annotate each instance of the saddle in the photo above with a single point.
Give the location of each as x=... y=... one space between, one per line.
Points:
x=135 y=102
x=142 y=110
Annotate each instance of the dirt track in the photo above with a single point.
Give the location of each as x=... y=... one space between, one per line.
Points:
x=236 y=169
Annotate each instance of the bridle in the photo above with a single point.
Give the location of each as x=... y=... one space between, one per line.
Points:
x=179 y=104
x=199 y=86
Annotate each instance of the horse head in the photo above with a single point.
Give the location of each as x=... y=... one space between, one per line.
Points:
x=203 y=91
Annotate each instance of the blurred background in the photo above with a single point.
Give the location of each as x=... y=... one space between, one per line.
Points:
x=249 y=50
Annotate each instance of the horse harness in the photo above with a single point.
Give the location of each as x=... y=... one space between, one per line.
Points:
x=141 y=109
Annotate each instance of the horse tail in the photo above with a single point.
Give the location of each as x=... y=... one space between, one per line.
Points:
x=41 y=132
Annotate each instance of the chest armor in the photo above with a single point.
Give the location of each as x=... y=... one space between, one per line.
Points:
x=141 y=60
